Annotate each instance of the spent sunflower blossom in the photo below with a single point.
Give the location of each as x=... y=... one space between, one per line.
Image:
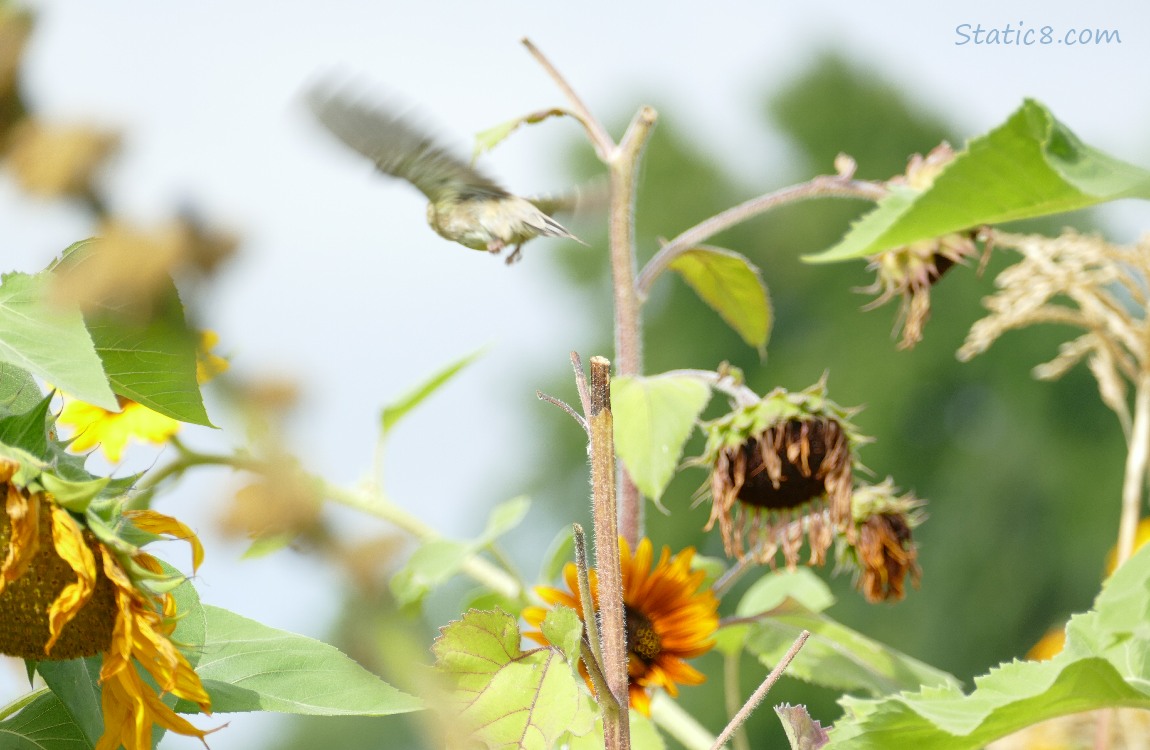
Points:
x=72 y=587
x=670 y=617
x=781 y=470
x=112 y=430
x=882 y=549
x=909 y=271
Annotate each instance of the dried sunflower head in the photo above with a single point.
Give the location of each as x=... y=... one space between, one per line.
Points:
x=883 y=551
x=781 y=471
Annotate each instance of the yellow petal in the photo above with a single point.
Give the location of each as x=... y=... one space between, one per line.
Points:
x=24 y=515
x=158 y=523
x=72 y=549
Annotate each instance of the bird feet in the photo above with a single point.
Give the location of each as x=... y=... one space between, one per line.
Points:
x=515 y=255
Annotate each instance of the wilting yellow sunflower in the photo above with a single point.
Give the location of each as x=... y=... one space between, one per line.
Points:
x=882 y=549
x=781 y=471
x=111 y=430
x=670 y=617
x=68 y=592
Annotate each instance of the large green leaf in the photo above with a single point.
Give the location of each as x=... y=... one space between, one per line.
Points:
x=508 y=698
x=1032 y=165
x=247 y=666
x=76 y=684
x=149 y=355
x=1106 y=663
x=733 y=287
x=47 y=338
x=653 y=418
x=44 y=724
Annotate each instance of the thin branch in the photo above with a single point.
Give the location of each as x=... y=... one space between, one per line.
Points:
x=823 y=186
x=581 y=382
x=761 y=693
x=599 y=136
x=728 y=384
x=587 y=600
x=565 y=407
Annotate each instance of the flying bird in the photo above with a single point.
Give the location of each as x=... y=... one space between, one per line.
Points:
x=464 y=205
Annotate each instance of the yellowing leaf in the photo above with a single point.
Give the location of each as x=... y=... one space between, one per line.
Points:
x=508 y=698
x=492 y=137
x=733 y=287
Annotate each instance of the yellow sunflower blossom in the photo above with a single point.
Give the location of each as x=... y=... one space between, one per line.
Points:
x=65 y=594
x=669 y=618
x=112 y=430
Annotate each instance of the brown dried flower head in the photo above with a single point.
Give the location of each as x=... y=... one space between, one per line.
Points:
x=909 y=271
x=53 y=161
x=883 y=551
x=781 y=471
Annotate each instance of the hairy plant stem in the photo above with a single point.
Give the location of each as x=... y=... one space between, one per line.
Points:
x=612 y=621
x=370 y=501
x=761 y=693
x=1134 y=478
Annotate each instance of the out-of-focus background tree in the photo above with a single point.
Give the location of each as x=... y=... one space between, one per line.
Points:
x=339 y=285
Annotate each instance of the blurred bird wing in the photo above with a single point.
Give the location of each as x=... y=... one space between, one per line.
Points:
x=399 y=148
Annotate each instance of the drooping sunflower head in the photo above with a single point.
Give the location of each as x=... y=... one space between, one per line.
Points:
x=882 y=550
x=670 y=615
x=74 y=582
x=909 y=271
x=781 y=471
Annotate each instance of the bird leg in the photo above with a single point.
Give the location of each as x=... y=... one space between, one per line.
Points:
x=515 y=255
x=495 y=246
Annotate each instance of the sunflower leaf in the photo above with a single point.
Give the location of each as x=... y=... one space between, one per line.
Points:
x=1031 y=165
x=1106 y=663
x=836 y=656
x=774 y=588
x=248 y=666
x=149 y=355
x=433 y=563
x=654 y=417
x=43 y=724
x=47 y=338
x=506 y=697
x=76 y=684
x=733 y=287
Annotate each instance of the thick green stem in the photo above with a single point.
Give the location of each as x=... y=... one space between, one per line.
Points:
x=1135 y=474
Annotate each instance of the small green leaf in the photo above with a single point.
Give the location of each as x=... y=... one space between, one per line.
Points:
x=44 y=724
x=28 y=429
x=492 y=137
x=247 y=666
x=73 y=495
x=48 y=339
x=654 y=417
x=1032 y=165
x=394 y=412
x=733 y=287
x=773 y=589
x=507 y=698
x=564 y=629
x=265 y=545
x=803 y=732
x=505 y=517
x=432 y=564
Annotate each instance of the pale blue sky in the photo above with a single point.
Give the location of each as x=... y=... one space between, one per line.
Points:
x=341 y=283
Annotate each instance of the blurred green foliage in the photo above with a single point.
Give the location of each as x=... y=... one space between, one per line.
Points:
x=1022 y=478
